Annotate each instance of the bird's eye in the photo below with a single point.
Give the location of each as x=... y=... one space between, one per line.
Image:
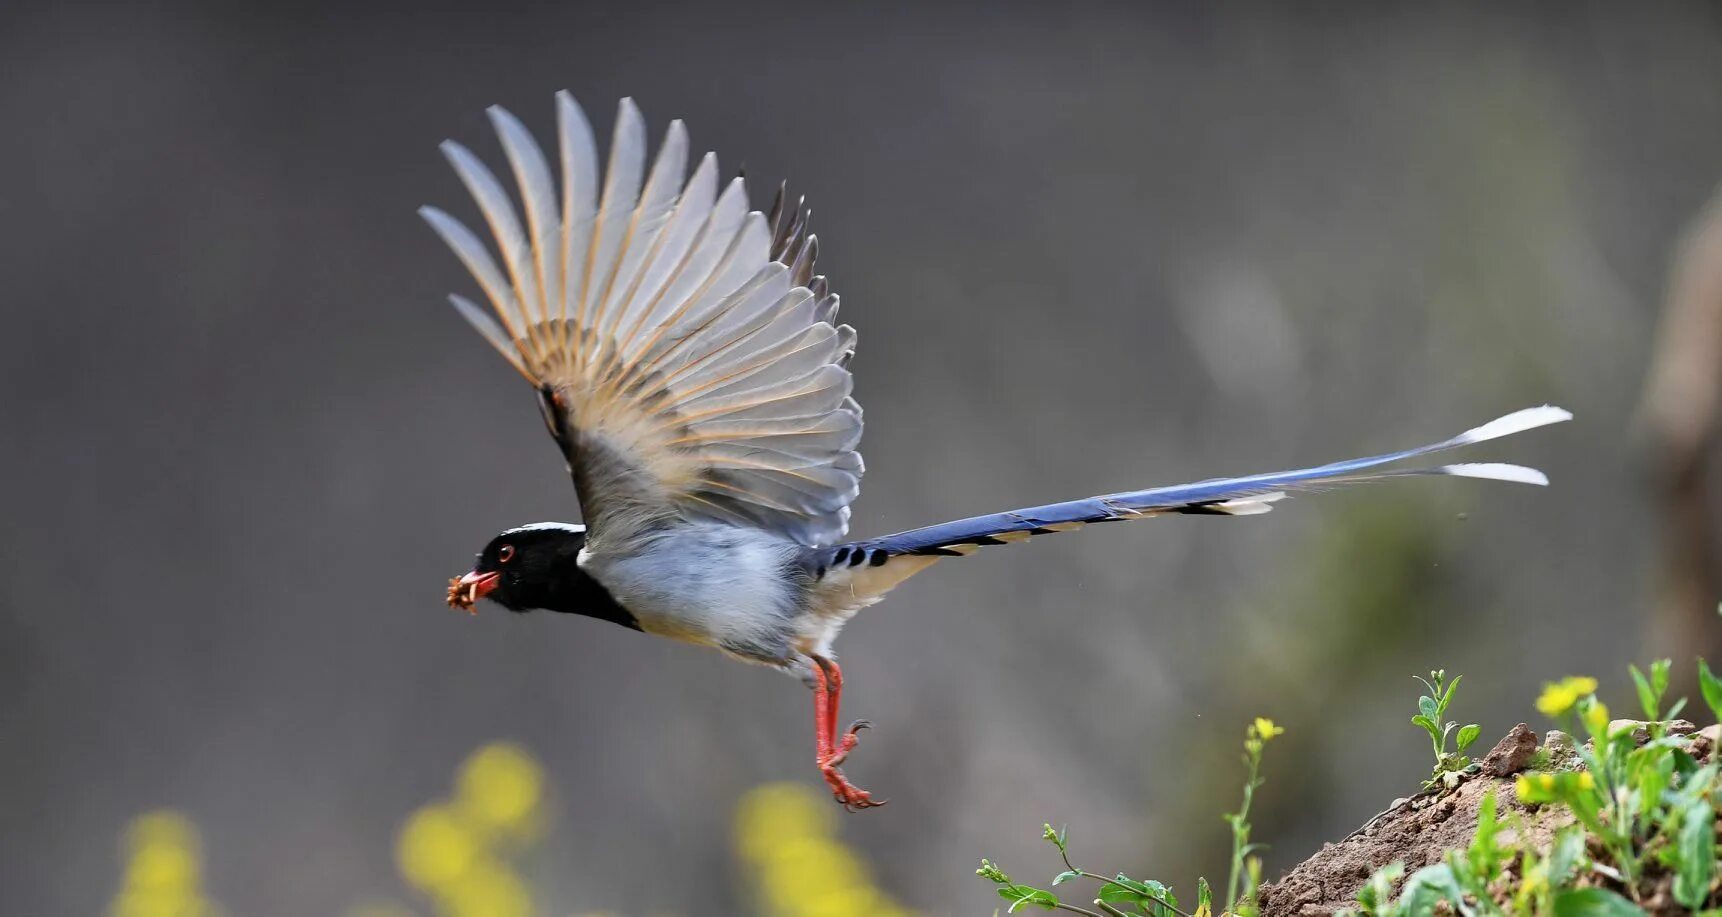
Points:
x=505 y=553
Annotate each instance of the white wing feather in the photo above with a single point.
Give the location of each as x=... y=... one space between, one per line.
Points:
x=694 y=353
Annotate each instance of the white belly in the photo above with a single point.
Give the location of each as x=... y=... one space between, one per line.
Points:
x=707 y=583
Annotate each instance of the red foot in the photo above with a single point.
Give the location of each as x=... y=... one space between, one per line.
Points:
x=830 y=752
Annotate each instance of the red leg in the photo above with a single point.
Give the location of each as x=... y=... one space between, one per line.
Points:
x=830 y=751
x=824 y=721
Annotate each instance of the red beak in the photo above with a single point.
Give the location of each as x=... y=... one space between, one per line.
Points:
x=465 y=591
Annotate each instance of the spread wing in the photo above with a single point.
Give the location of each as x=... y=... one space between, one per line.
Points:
x=688 y=359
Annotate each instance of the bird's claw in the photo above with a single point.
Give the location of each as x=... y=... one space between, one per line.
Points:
x=847 y=794
x=851 y=738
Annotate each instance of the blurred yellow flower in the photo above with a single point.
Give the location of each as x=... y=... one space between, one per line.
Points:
x=499 y=786
x=785 y=836
x=457 y=851
x=1595 y=716
x=1540 y=788
x=1558 y=697
x=435 y=848
x=164 y=870
x=1266 y=728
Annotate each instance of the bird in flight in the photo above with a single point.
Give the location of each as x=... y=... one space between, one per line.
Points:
x=690 y=365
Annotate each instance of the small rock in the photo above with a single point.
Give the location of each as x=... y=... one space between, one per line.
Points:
x=1557 y=741
x=1513 y=753
x=1641 y=728
x=1705 y=741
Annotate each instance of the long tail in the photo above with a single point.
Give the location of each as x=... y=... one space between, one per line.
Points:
x=1218 y=497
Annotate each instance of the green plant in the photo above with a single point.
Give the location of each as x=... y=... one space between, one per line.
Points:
x=1121 y=895
x=1245 y=873
x=1431 y=709
x=1645 y=819
x=1115 y=896
x=1650 y=691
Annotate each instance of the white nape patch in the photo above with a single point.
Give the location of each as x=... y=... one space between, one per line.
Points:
x=1516 y=422
x=568 y=527
x=1498 y=471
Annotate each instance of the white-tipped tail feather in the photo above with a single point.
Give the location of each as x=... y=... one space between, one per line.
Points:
x=1245 y=496
x=1497 y=471
x=1516 y=422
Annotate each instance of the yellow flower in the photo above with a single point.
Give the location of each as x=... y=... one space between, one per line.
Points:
x=163 y=872
x=499 y=787
x=1539 y=788
x=788 y=838
x=1266 y=729
x=459 y=851
x=436 y=848
x=1558 y=697
x=1595 y=716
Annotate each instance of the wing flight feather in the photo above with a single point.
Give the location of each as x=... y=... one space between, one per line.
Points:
x=689 y=356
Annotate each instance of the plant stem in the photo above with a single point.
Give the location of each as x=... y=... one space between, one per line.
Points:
x=1161 y=901
x=1240 y=827
x=1102 y=879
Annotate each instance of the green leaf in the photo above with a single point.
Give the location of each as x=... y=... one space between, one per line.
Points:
x=1430 y=886
x=1484 y=857
x=1711 y=688
x=1426 y=706
x=1647 y=696
x=1487 y=825
x=1593 y=902
x=1020 y=895
x=1565 y=855
x=1468 y=735
x=1376 y=895
x=1149 y=895
x=1447 y=698
x=1659 y=676
x=1695 y=854
x=1066 y=876
x=1427 y=723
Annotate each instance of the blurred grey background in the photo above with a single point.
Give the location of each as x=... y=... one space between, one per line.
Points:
x=1088 y=248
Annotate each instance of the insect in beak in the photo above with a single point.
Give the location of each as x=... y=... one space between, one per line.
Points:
x=465 y=591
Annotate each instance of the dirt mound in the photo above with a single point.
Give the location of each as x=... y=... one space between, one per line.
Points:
x=1414 y=831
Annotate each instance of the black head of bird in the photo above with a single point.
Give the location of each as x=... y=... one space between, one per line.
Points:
x=535 y=567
